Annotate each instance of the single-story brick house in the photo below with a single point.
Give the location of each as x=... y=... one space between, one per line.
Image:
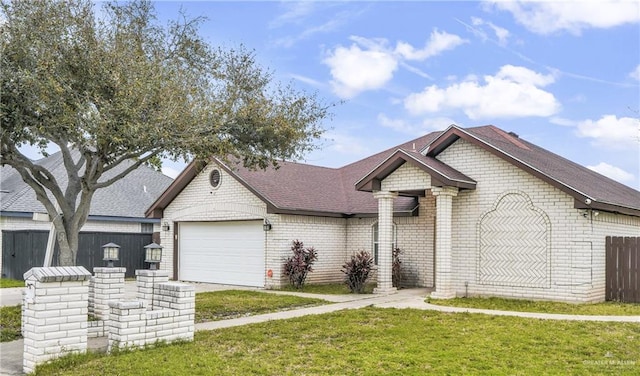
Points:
x=117 y=215
x=476 y=211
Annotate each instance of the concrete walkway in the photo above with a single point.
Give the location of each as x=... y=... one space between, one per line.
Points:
x=11 y=352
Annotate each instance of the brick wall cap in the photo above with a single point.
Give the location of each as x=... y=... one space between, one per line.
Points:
x=152 y=273
x=175 y=286
x=58 y=274
x=106 y=270
x=127 y=304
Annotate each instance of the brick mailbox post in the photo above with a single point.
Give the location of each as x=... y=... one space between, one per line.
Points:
x=54 y=314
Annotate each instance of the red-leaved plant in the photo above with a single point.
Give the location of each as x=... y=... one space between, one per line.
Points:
x=357 y=271
x=299 y=264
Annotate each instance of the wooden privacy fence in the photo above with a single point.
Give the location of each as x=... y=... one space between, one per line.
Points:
x=623 y=269
x=24 y=249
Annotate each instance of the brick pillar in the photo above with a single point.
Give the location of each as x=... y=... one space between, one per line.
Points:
x=146 y=281
x=444 y=267
x=54 y=315
x=182 y=298
x=127 y=324
x=107 y=284
x=385 y=241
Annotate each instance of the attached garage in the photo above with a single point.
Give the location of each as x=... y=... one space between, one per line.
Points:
x=228 y=252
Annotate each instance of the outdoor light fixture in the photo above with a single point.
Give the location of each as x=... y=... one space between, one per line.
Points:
x=153 y=255
x=266 y=226
x=165 y=226
x=110 y=252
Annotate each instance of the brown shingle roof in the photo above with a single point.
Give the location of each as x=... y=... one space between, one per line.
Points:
x=570 y=177
x=299 y=188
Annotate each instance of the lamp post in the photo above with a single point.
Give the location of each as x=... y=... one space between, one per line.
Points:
x=110 y=253
x=153 y=255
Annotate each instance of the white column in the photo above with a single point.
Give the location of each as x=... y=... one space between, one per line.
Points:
x=385 y=241
x=444 y=267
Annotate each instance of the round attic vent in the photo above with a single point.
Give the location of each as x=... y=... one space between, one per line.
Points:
x=214 y=178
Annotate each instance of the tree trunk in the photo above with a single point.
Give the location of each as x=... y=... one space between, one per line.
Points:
x=68 y=243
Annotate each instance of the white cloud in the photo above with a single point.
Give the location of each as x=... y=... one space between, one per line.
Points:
x=438 y=42
x=501 y=33
x=331 y=25
x=307 y=80
x=415 y=128
x=612 y=172
x=563 y=121
x=295 y=12
x=547 y=17
x=512 y=92
x=346 y=144
x=368 y=64
x=635 y=74
x=355 y=70
x=611 y=132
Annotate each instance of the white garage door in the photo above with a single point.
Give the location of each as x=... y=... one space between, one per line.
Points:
x=222 y=252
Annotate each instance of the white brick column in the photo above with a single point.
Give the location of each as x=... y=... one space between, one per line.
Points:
x=54 y=313
x=106 y=285
x=444 y=267
x=385 y=241
x=146 y=280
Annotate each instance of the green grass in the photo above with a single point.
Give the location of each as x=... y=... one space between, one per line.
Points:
x=375 y=341
x=604 y=309
x=10 y=323
x=328 y=289
x=210 y=306
x=6 y=282
x=220 y=305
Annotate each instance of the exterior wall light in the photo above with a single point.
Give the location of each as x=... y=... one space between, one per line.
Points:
x=165 y=226
x=153 y=255
x=266 y=226
x=110 y=253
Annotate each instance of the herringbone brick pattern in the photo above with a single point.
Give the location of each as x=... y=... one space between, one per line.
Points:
x=514 y=239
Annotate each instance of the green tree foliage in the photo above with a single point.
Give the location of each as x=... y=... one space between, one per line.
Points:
x=120 y=90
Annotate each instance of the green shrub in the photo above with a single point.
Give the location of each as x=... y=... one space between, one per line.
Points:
x=357 y=271
x=299 y=264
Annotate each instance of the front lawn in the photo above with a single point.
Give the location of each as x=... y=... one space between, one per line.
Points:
x=6 y=283
x=226 y=304
x=328 y=289
x=210 y=306
x=10 y=323
x=375 y=341
x=603 y=309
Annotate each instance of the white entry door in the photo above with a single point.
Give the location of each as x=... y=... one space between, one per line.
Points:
x=230 y=252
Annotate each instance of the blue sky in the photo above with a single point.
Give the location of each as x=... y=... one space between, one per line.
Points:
x=563 y=75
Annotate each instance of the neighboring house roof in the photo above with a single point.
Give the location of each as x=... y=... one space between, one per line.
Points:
x=297 y=188
x=127 y=198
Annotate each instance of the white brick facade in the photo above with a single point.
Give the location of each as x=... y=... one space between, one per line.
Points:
x=575 y=250
x=232 y=201
x=514 y=235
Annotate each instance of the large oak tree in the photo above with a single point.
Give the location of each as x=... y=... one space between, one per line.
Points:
x=117 y=86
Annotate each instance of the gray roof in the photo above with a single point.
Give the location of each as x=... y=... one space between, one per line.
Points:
x=128 y=197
